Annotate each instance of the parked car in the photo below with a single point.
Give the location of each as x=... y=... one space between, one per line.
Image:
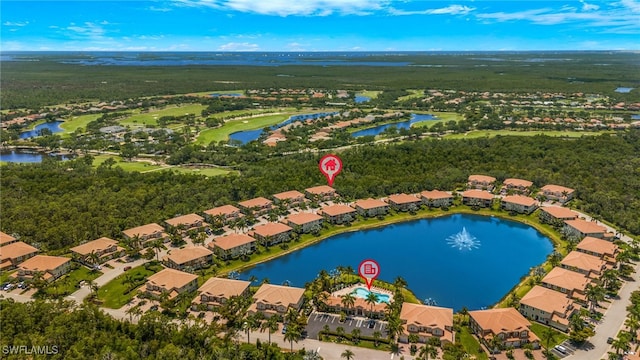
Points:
x=609 y=340
x=561 y=349
x=127 y=268
x=284 y=329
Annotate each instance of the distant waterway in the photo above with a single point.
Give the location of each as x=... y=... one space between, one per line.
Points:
x=246 y=136
x=457 y=260
x=415 y=118
x=26 y=156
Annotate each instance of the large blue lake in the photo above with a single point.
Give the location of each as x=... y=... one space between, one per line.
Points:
x=53 y=126
x=244 y=137
x=474 y=270
x=415 y=118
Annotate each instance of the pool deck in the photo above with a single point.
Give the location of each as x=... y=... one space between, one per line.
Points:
x=352 y=288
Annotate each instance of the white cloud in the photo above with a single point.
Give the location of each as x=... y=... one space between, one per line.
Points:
x=449 y=10
x=15 y=23
x=234 y=46
x=86 y=30
x=292 y=7
x=589 y=7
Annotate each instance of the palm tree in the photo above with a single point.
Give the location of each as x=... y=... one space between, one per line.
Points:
x=371 y=299
x=348 y=301
x=428 y=351
x=340 y=332
x=547 y=337
x=355 y=335
x=376 y=337
x=293 y=334
x=94 y=259
x=609 y=278
x=271 y=325
x=594 y=293
x=348 y=354
x=400 y=282
x=620 y=344
x=93 y=286
x=157 y=245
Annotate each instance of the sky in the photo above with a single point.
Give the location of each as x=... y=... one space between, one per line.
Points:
x=319 y=25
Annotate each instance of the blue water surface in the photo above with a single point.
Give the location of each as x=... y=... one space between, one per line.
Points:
x=415 y=118
x=246 y=136
x=53 y=126
x=419 y=251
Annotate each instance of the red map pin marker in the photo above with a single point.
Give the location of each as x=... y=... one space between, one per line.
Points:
x=330 y=165
x=369 y=270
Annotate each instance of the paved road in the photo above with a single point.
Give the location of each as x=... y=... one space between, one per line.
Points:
x=597 y=347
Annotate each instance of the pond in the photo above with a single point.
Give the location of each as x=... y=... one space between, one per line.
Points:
x=361 y=99
x=623 y=90
x=246 y=136
x=454 y=261
x=25 y=156
x=415 y=118
x=53 y=126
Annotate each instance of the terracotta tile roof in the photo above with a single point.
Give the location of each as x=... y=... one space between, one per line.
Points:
x=278 y=295
x=370 y=204
x=16 y=250
x=559 y=212
x=256 y=202
x=518 y=183
x=185 y=220
x=584 y=261
x=144 y=230
x=170 y=279
x=231 y=241
x=6 y=238
x=289 y=195
x=338 y=209
x=501 y=321
x=320 y=190
x=181 y=256
x=43 y=263
x=597 y=246
x=557 y=189
x=547 y=300
x=271 y=229
x=97 y=245
x=403 y=199
x=223 y=288
x=519 y=200
x=426 y=316
x=481 y=178
x=303 y=218
x=222 y=210
x=586 y=227
x=478 y=194
x=436 y=194
x=566 y=279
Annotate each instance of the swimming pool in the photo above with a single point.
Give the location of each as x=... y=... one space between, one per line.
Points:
x=362 y=293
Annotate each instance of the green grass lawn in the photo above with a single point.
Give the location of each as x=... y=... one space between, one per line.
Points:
x=151 y=117
x=205 y=172
x=114 y=294
x=222 y=133
x=491 y=133
x=414 y=95
x=78 y=122
x=470 y=344
x=68 y=284
x=539 y=330
x=369 y=93
x=125 y=165
x=443 y=117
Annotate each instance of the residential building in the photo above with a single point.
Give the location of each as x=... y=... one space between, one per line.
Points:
x=146 y=233
x=320 y=193
x=516 y=186
x=556 y=214
x=548 y=307
x=583 y=228
x=506 y=324
x=404 y=202
x=187 y=222
x=557 y=193
x=360 y=307
x=479 y=198
x=338 y=214
x=304 y=222
x=425 y=322
x=588 y=265
x=13 y=254
x=50 y=267
x=481 y=182
x=257 y=206
x=276 y=300
x=371 y=207
x=225 y=213
x=97 y=251
x=519 y=203
x=604 y=249
x=215 y=292
x=232 y=246
x=436 y=198
x=272 y=233
x=570 y=283
x=190 y=258
x=291 y=198
x=171 y=282
x=6 y=239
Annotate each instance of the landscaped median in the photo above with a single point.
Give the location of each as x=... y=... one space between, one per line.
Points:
x=119 y=291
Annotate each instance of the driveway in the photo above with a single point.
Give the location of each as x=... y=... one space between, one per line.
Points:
x=318 y=320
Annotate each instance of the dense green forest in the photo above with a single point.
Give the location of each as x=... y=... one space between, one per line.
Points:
x=66 y=331
x=59 y=204
x=32 y=84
